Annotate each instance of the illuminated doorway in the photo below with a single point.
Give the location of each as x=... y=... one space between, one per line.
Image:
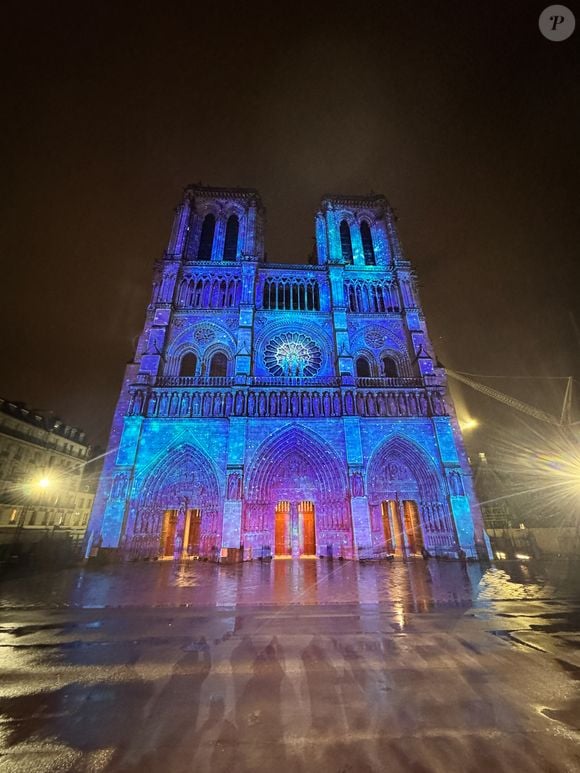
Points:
x=282 y=529
x=168 y=533
x=413 y=531
x=388 y=512
x=180 y=537
x=191 y=532
x=306 y=514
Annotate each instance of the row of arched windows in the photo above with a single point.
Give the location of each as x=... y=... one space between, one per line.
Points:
x=206 y=239
x=364 y=296
x=366 y=239
x=217 y=366
x=210 y=293
x=291 y=294
x=387 y=368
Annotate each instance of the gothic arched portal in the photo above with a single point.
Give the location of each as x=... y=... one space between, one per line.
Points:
x=296 y=498
x=174 y=513
x=408 y=508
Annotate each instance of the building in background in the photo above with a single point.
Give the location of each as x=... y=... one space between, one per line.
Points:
x=520 y=519
x=494 y=490
x=46 y=493
x=284 y=409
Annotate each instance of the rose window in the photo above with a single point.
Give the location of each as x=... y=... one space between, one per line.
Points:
x=292 y=354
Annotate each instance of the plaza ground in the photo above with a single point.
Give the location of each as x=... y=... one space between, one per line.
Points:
x=293 y=665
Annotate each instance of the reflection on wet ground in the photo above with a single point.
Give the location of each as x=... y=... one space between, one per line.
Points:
x=303 y=665
x=417 y=585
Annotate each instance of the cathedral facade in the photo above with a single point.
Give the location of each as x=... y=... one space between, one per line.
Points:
x=284 y=409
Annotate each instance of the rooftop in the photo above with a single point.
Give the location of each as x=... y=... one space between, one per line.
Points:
x=44 y=420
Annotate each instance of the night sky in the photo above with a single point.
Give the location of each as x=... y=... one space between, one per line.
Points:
x=461 y=113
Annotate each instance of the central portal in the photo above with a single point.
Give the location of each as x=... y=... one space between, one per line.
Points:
x=180 y=533
x=297 y=498
x=294 y=528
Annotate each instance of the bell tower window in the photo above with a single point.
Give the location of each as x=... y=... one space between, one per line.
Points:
x=231 y=241
x=367 y=243
x=345 y=242
x=206 y=238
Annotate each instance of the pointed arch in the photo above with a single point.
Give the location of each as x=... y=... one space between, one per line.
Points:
x=367 y=243
x=363 y=367
x=389 y=366
x=296 y=486
x=231 y=240
x=408 y=453
x=206 y=238
x=178 y=489
x=407 y=497
x=218 y=365
x=346 y=242
x=320 y=462
x=184 y=471
x=188 y=365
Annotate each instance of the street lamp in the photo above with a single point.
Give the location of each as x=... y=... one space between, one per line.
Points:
x=34 y=486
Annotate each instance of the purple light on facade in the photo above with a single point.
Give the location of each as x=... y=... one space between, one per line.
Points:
x=313 y=419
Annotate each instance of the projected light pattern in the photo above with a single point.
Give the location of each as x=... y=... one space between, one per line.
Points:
x=292 y=354
x=257 y=418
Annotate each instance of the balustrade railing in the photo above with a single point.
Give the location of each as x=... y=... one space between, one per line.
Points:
x=370 y=382
x=164 y=401
x=299 y=381
x=288 y=381
x=191 y=381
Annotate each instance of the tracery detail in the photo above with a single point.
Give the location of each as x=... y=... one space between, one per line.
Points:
x=292 y=354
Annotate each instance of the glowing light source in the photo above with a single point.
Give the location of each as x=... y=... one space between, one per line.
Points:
x=467 y=424
x=542 y=464
x=44 y=483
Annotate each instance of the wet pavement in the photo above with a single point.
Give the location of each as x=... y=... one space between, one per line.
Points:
x=303 y=665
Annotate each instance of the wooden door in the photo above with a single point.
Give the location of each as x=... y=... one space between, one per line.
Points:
x=168 y=533
x=308 y=530
x=194 y=531
x=281 y=530
x=413 y=526
x=387 y=533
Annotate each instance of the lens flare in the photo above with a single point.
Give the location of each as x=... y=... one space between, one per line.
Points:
x=540 y=470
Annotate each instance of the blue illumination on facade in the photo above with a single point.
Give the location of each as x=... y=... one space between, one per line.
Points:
x=284 y=409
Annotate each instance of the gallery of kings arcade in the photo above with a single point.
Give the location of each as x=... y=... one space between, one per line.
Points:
x=277 y=409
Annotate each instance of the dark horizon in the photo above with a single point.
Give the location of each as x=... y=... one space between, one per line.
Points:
x=466 y=118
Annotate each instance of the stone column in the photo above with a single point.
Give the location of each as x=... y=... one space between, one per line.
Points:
x=234 y=486
x=321 y=239
x=186 y=530
x=402 y=528
x=179 y=534
x=246 y=322
x=294 y=522
x=341 y=340
x=179 y=230
x=357 y=247
x=217 y=252
x=361 y=518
